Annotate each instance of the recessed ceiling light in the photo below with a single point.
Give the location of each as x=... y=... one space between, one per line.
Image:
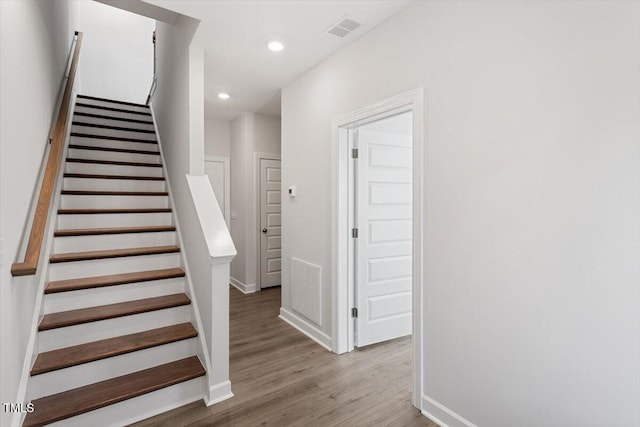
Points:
x=275 y=46
x=224 y=95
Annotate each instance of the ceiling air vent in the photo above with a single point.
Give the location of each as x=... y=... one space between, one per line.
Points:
x=343 y=27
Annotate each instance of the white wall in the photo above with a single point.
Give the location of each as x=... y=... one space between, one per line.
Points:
x=35 y=38
x=240 y=161
x=217 y=137
x=250 y=133
x=532 y=191
x=117 y=58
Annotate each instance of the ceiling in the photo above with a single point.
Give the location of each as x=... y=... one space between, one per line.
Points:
x=234 y=35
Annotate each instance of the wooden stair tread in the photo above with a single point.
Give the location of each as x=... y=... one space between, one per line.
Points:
x=113 y=150
x=113 y=162
x=118 y=110
x=112 y=253
x=113 y=138
x=111 y=211
x=102 y=349
x=113 y=230
x=110 y=311
x=111 y=127
x=113 y=193
x=84 y=399
x=122 y=119
x=124 y=177
x=112 y=280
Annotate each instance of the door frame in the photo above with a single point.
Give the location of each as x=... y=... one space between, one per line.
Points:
x=227 y=185
x=342 y=298
x=257 y=157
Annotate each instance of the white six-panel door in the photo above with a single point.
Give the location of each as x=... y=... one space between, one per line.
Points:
x=270 y=224
x=384 y=244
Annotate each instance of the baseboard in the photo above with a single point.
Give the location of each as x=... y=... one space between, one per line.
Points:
x=306 y=328
x=442 y=415
x=218 y=393
x=245 y=289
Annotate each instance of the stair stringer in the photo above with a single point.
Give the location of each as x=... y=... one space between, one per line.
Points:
x=203 y=352
x=42 y=274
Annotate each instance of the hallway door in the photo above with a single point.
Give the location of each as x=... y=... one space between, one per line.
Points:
x=383 y=215
x=270 y=225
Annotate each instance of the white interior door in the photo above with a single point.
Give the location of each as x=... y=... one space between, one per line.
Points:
x=270 y=225
x=218 y=172
x=384 y=243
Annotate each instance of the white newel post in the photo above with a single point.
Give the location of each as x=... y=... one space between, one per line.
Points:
x=219 y=383
x=210 y=263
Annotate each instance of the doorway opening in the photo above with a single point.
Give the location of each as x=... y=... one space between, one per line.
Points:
x=377 y=227
x=270 y=225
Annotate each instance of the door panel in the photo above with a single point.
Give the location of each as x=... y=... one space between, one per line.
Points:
x=270 y=223
x=384 y=244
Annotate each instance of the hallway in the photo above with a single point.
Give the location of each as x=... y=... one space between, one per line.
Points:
x=282 y=378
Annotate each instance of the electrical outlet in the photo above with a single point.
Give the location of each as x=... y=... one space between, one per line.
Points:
x=234 y=214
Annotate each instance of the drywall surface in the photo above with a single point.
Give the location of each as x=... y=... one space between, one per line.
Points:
x=251 y=133
x=532 y=197
x=117 y=55
x=35 y=39
x=240 y=161
x=217 y=137
x=180 y=124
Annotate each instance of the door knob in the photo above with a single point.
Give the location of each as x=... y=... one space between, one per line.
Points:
x=264 y=230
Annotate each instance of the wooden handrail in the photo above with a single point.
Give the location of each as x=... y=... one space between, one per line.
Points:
x=34 y=245
x=154 y=82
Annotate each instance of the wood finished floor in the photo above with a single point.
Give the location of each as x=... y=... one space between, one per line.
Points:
x=282 y=378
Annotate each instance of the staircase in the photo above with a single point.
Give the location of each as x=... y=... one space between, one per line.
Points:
x=117 y=341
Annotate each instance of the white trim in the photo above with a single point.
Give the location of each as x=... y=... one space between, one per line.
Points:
x=442 y=415
x=218 y=393
x=227 y=184
x=341 y=341
x=245 y=289
x=306 y=328
x=256 y=217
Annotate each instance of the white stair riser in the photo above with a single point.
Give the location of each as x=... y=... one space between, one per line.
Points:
x=101 y=267
x=141 y=407
x=100 y=370
x=73 y=201
x=113 y=132
x=129 y=145
x=73 y=300
x=112 y=241
x=115 y=121
x=113 y=155
x=93 y=331
x=114 y=114
x=109 y=104
x=66 y=222
x=113 y=169
x=112 y=184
